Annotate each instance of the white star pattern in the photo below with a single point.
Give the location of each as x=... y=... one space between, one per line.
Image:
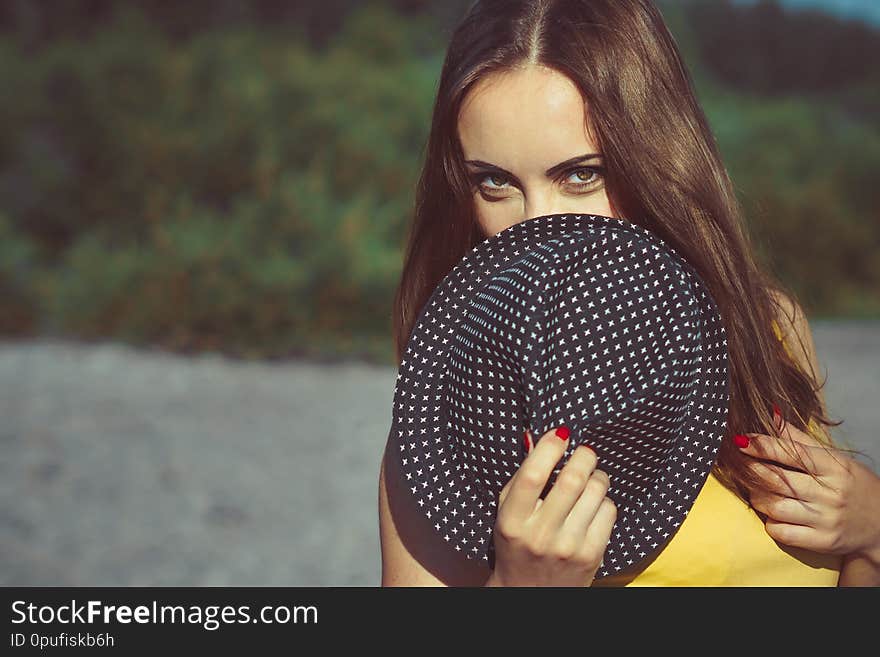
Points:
x=581 y=320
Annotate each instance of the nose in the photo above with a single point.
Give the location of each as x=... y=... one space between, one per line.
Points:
x=542 y=204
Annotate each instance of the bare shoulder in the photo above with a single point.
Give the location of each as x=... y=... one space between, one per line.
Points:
x=411 y=553
x=790 y=316
x=793 y=325
x=796 y=332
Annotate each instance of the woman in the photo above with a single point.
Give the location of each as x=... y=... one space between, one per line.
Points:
x=584 y=106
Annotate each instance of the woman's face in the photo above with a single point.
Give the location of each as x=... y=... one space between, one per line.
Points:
x=528 y=154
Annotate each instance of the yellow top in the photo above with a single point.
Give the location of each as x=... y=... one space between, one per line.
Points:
x=722 y=542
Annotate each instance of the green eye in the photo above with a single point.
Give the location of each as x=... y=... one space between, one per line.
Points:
x=584 y=176
x=496 y=180
x=578 y=180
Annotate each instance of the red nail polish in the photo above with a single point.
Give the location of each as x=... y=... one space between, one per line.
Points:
x=563 y=432
x=526 y=441
x=778 y=422
x=741 y=440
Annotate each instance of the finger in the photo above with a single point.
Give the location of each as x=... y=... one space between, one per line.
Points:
x=801 y=536
x=568 y=488
x=777 y=417
x=584 y=510
x=524 y=488
x=790 y=449
x=798 y=485
x=785 y=509
x=528 y=444
x=599 y=532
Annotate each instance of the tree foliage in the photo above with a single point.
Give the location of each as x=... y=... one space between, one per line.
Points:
x=243 y=179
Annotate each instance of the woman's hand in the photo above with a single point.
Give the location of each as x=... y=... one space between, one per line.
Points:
x=560 y=540
x=840 y=518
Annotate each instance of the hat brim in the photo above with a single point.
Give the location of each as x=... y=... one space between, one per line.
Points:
x=461 y=507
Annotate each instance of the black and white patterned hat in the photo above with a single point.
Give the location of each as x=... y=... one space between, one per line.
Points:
x=582 y=320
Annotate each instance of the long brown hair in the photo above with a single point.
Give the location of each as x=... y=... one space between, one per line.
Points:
x=663 y=172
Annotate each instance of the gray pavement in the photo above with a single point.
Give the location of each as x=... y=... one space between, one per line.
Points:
x=127 y=467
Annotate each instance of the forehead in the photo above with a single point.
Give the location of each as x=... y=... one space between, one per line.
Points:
x=528 y=118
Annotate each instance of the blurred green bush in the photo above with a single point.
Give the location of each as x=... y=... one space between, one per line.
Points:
x=243 y=191
x=236 y=192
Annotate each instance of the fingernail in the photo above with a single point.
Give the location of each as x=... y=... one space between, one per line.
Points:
x=526 y=442
x=563 y=432
x=777 y=417
x=741 y=440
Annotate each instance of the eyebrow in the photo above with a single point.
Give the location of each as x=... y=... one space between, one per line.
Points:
x=556 y=168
